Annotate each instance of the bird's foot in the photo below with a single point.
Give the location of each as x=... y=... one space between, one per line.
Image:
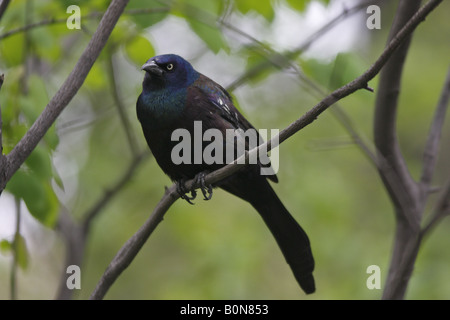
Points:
x=207 y=190
x=183 y=192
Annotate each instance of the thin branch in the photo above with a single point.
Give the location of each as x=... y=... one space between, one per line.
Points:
x=75 y=234
x=90 y=16
x=2 y=79
x=65 y=94
x=441 y=209
x=3 y=7
x=385 y=136
x=131 y=139
x=131 y=248
x=274 y=58
x=110 y=194
x=15 y=252
x=431 y=148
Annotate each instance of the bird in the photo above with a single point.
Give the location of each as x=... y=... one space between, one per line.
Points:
x=176 y=96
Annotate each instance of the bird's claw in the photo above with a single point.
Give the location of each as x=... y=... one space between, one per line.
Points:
x=207 y=190
x=183 y=193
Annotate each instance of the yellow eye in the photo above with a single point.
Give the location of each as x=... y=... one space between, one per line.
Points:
x=169 y=67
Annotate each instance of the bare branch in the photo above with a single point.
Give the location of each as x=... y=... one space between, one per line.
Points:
x=386 y=114
x=131 y=248
x=441 y=209
x=75 y=234
x=131 y=139
x=434 y=136
x=109 y=194
x=15 y=252
x=281 y=60
x=64 y=95
x=2 y=78
x=90 y=16
x=3 y=7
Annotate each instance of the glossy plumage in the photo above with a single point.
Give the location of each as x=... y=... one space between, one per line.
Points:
x=173 y=96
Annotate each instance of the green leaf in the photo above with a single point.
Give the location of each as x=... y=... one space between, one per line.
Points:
x=96 y=79
x=35 y=100
x=5 y=246
x=154 y=15
x=139 y=49
x=12 y=50
x=202 y=16
x=211 y=36
x=22 y=255
x=263 y=7
x=298 y=5
x=39 y=162
x=20 y=246
x=37 y=194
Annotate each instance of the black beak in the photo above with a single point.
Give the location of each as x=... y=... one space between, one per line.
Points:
x=152 y=67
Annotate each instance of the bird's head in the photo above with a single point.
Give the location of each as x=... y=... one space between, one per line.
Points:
x=168 y=71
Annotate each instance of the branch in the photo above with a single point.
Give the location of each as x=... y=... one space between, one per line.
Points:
x=131 y=248
x=386 y=114
x=109 y=194
x=434 y=136
x=2 y=78
x=64 y=95
x=131 y=139
x=3 y=7
x=15 y=252
x=274 y=58
x=441 y=209
x=75 y=234
x=92 y=15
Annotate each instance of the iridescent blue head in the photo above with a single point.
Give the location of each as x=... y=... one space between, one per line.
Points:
x=168 y=71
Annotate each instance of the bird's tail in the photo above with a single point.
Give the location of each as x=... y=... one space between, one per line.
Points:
x=291 y=238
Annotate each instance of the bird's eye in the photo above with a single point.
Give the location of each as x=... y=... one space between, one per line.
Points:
x=169 y=67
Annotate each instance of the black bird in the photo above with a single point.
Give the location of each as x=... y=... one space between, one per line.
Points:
x=174 y=96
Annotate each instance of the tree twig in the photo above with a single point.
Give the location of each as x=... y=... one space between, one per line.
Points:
x=131 y=248
x=131 y=139
x=3 y=7
x=2 y=78
x=385 y=136
x=274 y=58
x=15 y=252
x=434 y=135
x=75 y=234
x=90 y=16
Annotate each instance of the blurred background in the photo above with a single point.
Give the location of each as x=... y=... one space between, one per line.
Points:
x=278 y=58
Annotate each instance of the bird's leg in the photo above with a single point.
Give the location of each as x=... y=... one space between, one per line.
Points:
x=182 y=192
x=207 y=190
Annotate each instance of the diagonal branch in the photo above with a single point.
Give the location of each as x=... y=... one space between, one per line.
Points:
x=3 y=7
x=131 y=248
x=441 y=209
x=64 y=95
x=432 y=145
x=281 y=60
x=75 y=234
x=92 y=15
x=386 y=105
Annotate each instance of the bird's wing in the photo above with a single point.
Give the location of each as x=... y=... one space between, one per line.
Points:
x=215 y=105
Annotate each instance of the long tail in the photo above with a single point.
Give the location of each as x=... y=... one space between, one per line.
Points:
x=291 y=238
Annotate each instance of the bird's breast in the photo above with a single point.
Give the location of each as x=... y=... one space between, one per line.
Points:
x=159 y=109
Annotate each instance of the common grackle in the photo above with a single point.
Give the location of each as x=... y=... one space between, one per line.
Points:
x=175 y=96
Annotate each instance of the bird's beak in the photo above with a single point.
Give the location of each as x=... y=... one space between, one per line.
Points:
x=152 y=67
